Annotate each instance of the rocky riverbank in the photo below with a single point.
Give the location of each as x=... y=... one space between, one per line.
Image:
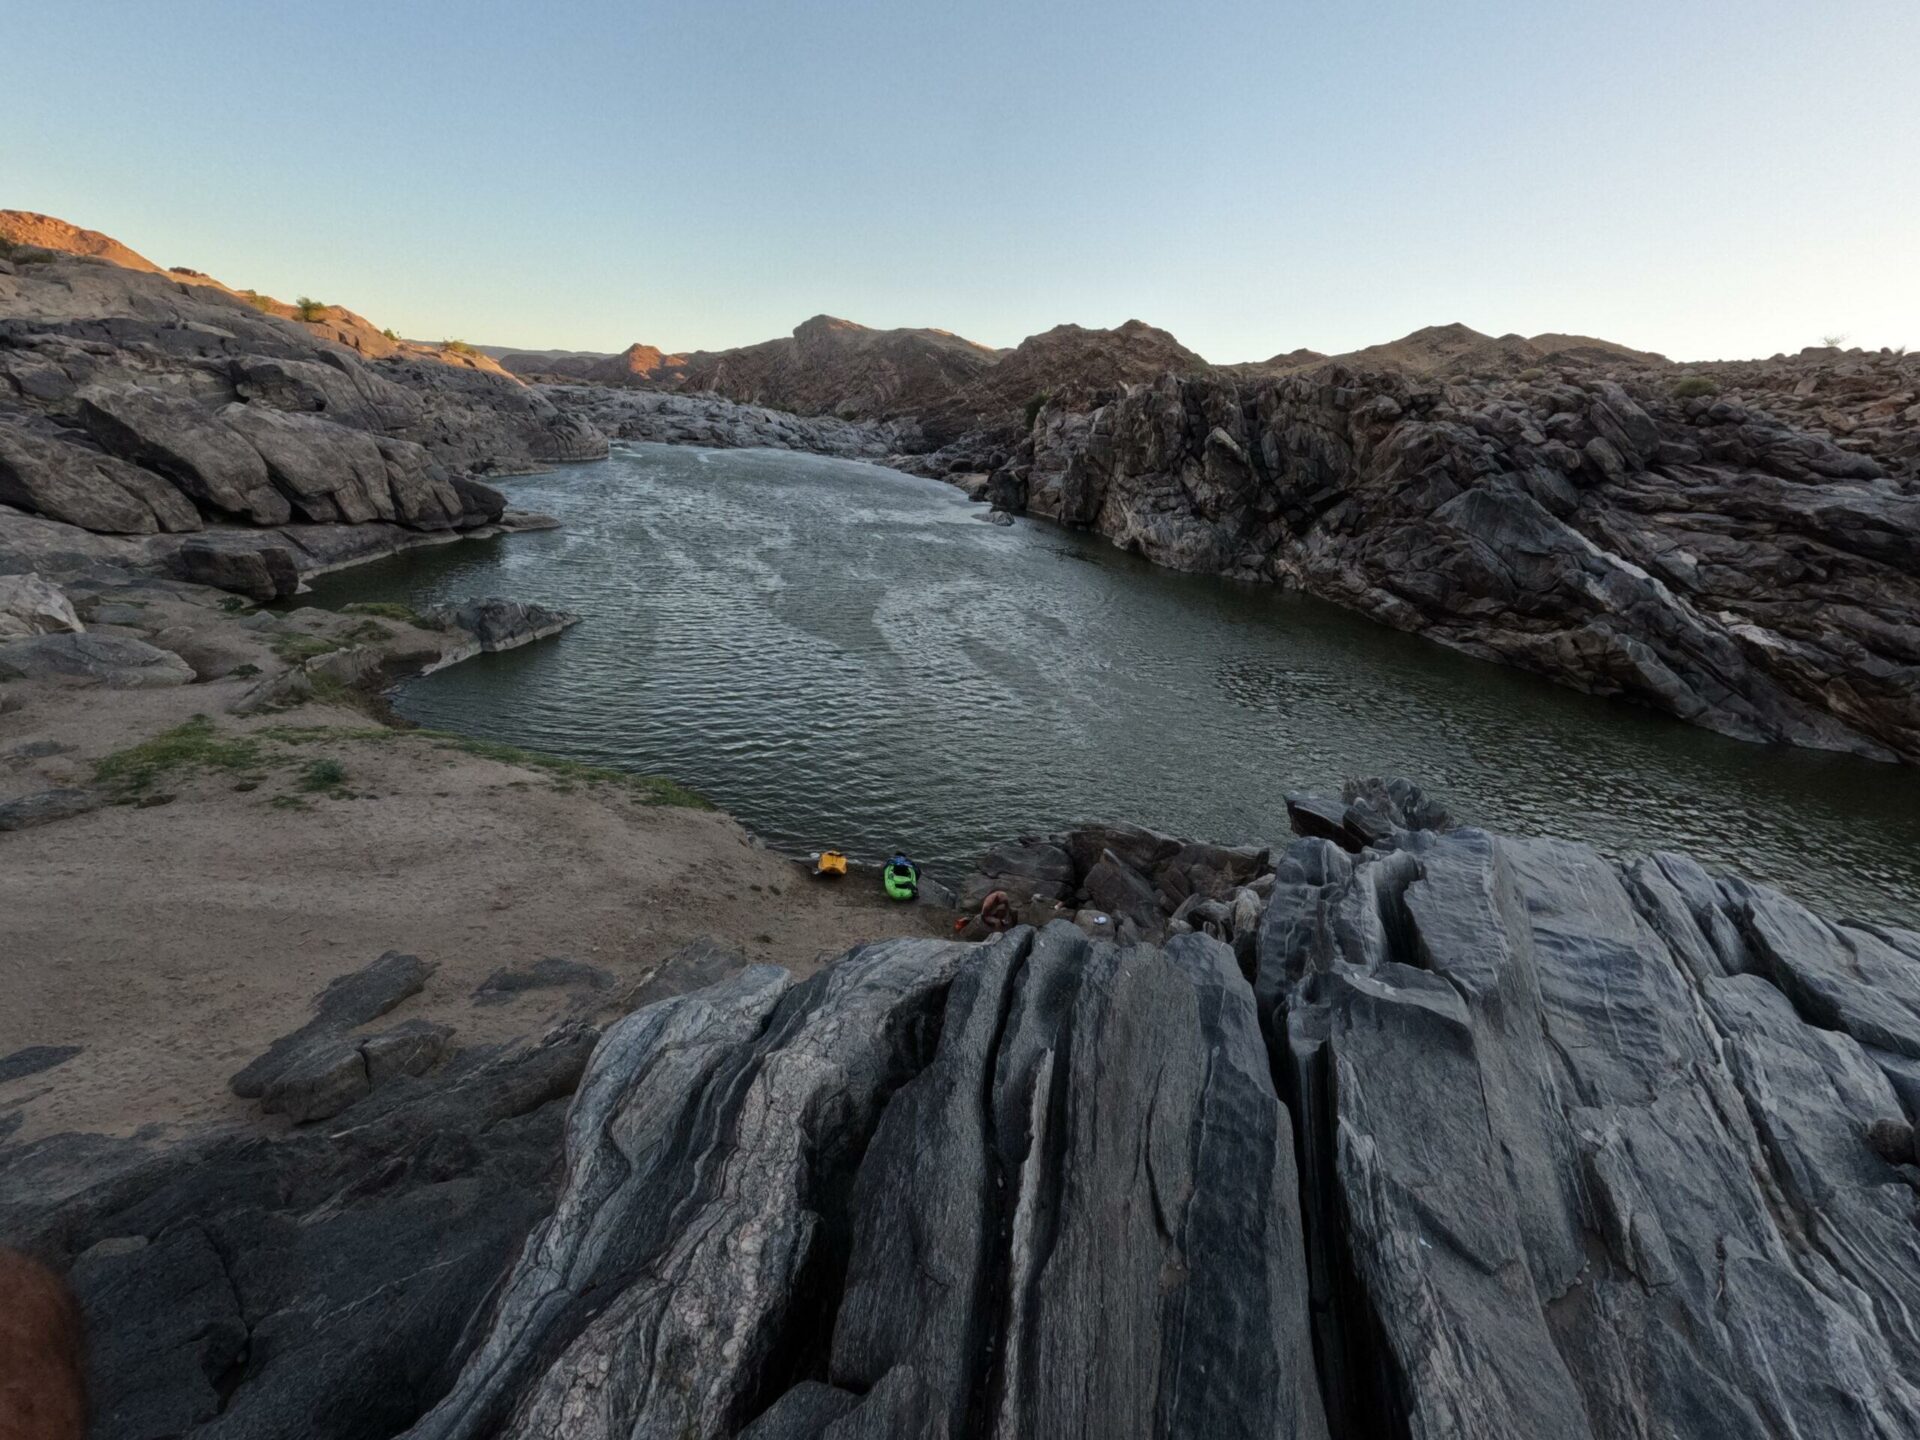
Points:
x=1732 y=543
x=1452 y=1135
x=1684 y=551
x=137 y=402
x=203 y=806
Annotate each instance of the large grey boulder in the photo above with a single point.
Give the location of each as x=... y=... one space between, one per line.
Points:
x=257 y=566
x=314 y=1282
x=177 y=437
x=43 y=807
x=51 y=475
x=497 y=624
x=1553 y=1149
x=32 y=606
x=1095 y=1134
x=323 y=1067
x=110 y=660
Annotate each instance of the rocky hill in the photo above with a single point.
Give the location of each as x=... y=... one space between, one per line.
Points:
x=1072 y=367
x=136 y=401
x=637 y=364
x=828 y=366
x=29 y=232
x=1457 y=350
x=945 y=385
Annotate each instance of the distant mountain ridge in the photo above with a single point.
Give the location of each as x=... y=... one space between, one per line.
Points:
x=830 y=366
x=946 y=383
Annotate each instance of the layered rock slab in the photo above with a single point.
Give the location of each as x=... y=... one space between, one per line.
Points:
x=1465 y=1137
x=1572 y=1173
x=1085 y=1170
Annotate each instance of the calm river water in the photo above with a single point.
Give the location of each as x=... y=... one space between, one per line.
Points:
x=842 y=655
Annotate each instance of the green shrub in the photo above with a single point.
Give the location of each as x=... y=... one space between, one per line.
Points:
x=384 y=609
x=1689 y=387
x=388 y=332
x=320 y=775
x=458 y=347
x=309 y=309
x=192 y=746
x=295 y=648
x=1034 y=407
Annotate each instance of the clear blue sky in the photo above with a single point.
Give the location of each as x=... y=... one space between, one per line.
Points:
x=1697 y=177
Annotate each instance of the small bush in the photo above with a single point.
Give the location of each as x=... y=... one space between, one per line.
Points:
x=262 y=303
x=1034 y=407
x=309 y=309
x=384 y=609
x=295 y=648
x=388 y=332
x=458 y=347
x=1689 y=387
x=323 y=775
x=1833 y=342
x=367 y=632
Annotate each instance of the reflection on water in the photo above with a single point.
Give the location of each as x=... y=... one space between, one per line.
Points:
x=846 y=656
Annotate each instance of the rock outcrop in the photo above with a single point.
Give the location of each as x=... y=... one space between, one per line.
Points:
x=322 y=1068
x=1691 y=554
x=493 y=624
x=140 y=402
x=30 y=605
x=1461 y=1136
x=673 y=419
x=114 y=661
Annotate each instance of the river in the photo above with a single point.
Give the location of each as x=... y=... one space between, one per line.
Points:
x=845 y=656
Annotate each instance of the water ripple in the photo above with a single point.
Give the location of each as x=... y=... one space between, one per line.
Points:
x=843 y=655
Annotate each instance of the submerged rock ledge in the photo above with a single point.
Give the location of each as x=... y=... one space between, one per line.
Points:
x=1466 y=1136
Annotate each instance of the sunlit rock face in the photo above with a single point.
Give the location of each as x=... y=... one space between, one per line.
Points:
x=134 y=401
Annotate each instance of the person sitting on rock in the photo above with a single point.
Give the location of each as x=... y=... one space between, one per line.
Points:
x=900 y=879
x=42 y=1386
x=995 y=917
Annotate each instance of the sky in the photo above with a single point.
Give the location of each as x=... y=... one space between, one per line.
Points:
x=1701 y=178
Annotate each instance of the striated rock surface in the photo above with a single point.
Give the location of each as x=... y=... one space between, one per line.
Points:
x=1461 y=1136
x=1693 y=555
